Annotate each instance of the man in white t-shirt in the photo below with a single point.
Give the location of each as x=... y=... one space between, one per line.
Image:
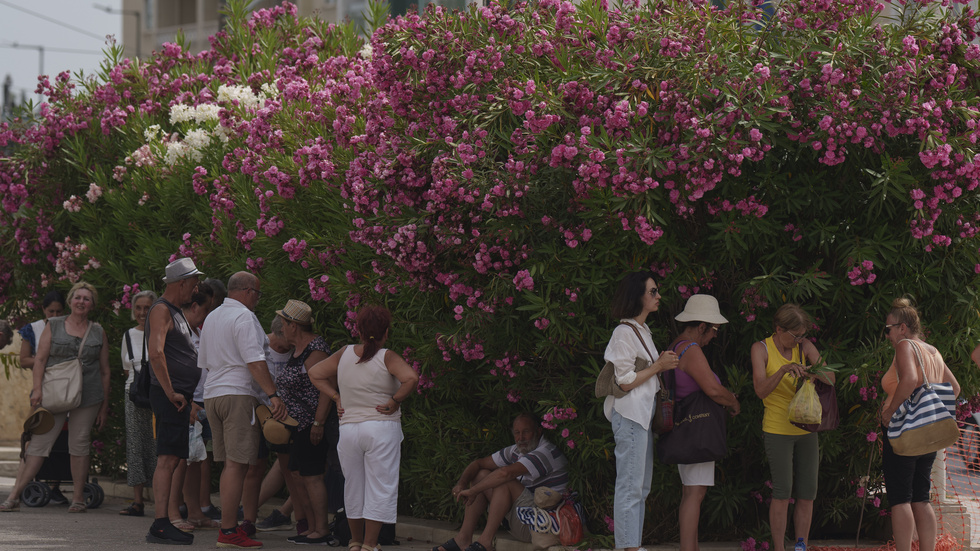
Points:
x=500 y=483
x=232 y=350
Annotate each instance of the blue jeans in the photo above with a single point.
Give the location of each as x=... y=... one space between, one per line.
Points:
x=634 y=463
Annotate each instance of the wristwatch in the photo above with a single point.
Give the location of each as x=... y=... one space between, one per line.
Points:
x=274 y=395
x=317 y=424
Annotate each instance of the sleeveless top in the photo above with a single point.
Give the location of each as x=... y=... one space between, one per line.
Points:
x=364 y=386
x=295 y=388
x=684 y=384
x=179 y=349
x=64 y=347
x=776 y=417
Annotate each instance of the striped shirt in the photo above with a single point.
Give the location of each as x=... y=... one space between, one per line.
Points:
x=546 y=466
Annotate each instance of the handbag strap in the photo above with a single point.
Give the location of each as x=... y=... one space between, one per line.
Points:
x=918 y=359
x=129 y=346
x=637 y=331
x=81 y=345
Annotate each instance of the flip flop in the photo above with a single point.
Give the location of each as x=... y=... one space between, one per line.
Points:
x=476 y=546
x=450 y=545
x=77 y=507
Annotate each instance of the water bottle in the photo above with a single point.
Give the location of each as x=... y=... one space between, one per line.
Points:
x=800 y=545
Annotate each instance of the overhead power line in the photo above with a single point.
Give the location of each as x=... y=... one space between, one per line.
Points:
x=52 y=49
x=52 y=20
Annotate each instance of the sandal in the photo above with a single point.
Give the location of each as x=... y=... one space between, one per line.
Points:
x=354 y=544
x=476 y=546
x=182 y=525
x=205 y=523
x=134 y=510
x=77 y=507
x=450 y=545
x=10 y=506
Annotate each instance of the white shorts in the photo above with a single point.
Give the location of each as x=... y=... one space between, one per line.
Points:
x=370 y=455
x=697 y=474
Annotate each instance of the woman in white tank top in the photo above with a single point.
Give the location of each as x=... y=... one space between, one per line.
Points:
x=369 y=384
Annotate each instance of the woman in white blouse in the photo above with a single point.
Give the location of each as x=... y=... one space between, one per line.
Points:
x=141 y=454
x=631 y=415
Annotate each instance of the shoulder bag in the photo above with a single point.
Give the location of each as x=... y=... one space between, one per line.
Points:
x=139 y=389
x=830 y=414
x=61 y=388
x=699 y=434
x=606 y=384
x=924 y=423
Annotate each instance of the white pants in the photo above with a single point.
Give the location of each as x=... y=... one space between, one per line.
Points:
x=370 y=455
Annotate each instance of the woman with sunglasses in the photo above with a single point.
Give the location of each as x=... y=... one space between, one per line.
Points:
x=632 y=415
x=699 y=324
x=907 y=478
x=794 y=455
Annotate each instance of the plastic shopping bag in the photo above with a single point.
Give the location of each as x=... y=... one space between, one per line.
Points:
x=805 y=406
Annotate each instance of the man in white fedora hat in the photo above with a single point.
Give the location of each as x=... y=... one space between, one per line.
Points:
x=173 y=377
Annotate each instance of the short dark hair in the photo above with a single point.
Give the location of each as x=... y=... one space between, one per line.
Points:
x=53 y=296
x=6 y=330
x=218 y=290
x=628 y=300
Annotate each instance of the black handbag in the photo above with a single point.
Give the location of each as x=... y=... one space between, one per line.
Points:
x=139 y=390
x=699 y=433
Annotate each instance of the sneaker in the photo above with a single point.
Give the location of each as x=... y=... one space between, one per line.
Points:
x=168 y=535
x=57 y=498
x=237 y=540
x=248 y=528
x=274 y=522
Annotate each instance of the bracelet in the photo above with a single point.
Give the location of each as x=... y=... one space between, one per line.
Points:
x=334 y=397
x=396 y=400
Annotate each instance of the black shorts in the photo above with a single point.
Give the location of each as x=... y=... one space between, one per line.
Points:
x=907 y=479
x=306 y=458
x=172 y=427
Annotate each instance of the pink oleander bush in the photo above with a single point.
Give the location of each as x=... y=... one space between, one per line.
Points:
x=490 y=175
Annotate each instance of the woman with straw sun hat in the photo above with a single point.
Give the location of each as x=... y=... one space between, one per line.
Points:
x=699 y=324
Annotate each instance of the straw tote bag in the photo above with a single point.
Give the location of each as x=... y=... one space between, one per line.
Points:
x=61 y=389
x=925 y=422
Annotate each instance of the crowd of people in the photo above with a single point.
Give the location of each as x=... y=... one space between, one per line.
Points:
x=779 y=363
x=333 y=418
x=217 y=379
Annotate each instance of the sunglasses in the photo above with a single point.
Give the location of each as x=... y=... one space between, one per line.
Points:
x=888 y=327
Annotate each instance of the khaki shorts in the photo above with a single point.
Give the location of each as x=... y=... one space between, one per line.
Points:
x=517 y=528
x=234 y=430
x=80 y=421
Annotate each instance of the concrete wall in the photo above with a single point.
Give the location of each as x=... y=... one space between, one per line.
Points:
x=14 y=398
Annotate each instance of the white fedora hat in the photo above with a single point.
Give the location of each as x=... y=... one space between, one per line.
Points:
x=180 y=269
x=701 y=308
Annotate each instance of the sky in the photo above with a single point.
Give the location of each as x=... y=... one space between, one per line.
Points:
x=60 y=25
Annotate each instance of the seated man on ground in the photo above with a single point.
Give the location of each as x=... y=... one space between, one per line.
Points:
x=500 y=483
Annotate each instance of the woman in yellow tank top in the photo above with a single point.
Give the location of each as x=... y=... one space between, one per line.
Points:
x=793 y=453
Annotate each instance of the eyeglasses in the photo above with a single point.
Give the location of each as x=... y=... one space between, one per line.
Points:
x=797 y=338
x=888 y=327
x=715 y=328
x=654 y=292
x=257 y=292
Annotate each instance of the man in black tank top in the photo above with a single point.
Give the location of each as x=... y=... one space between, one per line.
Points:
x=173 y=377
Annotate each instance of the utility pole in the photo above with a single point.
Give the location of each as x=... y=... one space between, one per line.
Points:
x=133 y=13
